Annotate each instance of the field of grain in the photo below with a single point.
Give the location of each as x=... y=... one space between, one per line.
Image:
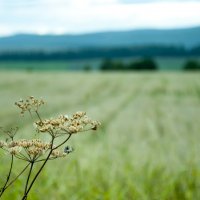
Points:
x=146 y=149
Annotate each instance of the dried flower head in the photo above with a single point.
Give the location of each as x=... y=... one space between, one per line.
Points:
x=10 y=132
x=29 y=104
x=15 y=150
x=78 y=122
x=57 y=153
x=29 y=149
x=36 y=150
x=3 y=144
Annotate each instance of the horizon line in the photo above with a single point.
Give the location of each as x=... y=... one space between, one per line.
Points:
x=98 y=31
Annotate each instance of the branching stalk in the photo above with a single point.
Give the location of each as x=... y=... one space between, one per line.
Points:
x=17 y=176
x=29 y=174
x=39 y=171
x=8 y=177
x=44 y=163
x=35 y=150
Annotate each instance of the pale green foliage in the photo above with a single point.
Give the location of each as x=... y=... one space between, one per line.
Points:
x=148 y=147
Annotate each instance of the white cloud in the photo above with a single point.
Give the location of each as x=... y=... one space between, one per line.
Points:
x=67 y=16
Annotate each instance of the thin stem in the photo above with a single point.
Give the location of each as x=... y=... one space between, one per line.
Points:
x=17 y=176
x=27 y=153
x=44 y=159
x=38 y=115
x=63 y=142
x=30 y=114
x=29 y=174
x=21 y=158
x=44 y=163
x=34 y=179
x=8 y=177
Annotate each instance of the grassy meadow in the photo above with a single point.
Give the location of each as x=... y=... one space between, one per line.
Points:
x=146 y=149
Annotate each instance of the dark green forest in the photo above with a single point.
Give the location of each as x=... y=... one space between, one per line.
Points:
x=105 y=53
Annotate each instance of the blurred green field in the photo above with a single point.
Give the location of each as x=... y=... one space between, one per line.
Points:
x=146 y=149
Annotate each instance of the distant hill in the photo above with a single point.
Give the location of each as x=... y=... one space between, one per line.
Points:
x=188 y=38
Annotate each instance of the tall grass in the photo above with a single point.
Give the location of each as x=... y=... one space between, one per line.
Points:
x=148 y=145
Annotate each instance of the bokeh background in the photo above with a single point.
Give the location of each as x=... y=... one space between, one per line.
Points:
x=134 y=66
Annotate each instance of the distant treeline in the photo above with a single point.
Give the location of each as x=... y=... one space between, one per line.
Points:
x=90 y=53
x=142 y=64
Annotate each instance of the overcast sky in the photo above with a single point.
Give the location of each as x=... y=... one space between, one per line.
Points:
x=83 y=16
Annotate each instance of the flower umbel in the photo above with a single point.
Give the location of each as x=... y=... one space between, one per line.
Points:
x=35 y=150
x=3 y=144
x=29 y=104
x=78 y=122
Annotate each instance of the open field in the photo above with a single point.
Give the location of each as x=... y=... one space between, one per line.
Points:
x=146 y=149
